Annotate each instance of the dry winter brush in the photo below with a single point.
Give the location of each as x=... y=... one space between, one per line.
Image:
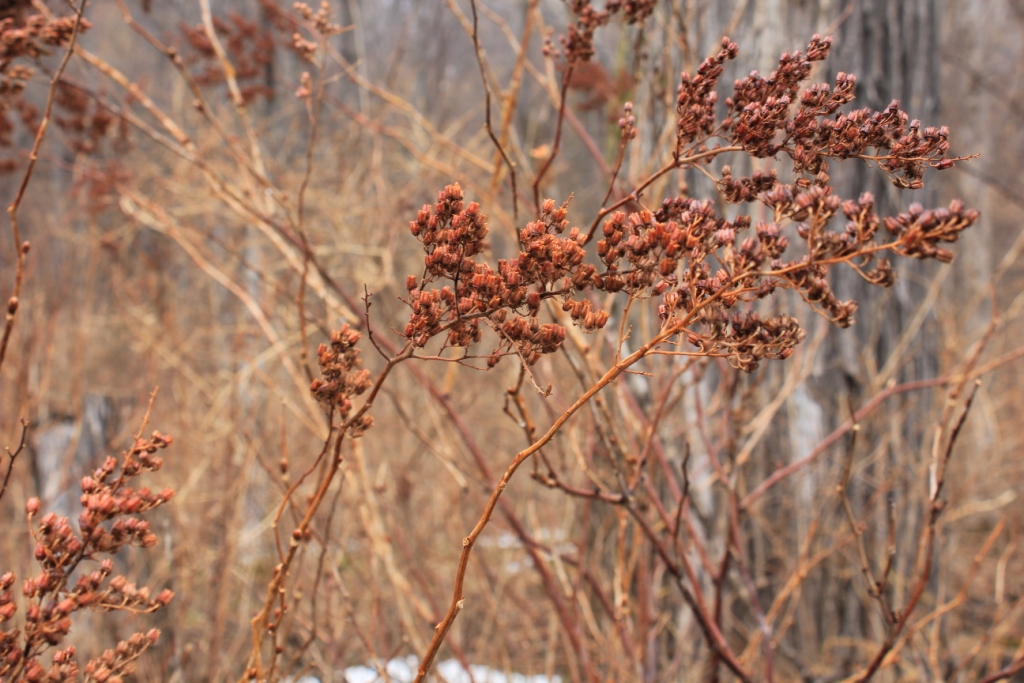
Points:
x=704 y=270
x=361 y=380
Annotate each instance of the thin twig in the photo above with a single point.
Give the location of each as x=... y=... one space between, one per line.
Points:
x=22 y=248
x=487 y=113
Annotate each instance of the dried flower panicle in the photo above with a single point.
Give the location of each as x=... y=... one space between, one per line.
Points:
x=777 y=114
x=320 y=20
x=707 y=269
x=107 y=524
x=578 y=42
x=696 y=97
x=550 y=265
x=671 y=252
x=87 y=123
x=343 y=377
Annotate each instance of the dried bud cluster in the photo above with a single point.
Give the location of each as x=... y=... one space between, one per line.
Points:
x=759 y=107
x=578 y=43
x=920 y=231
x=305 y=89
x=509 y=298
x=627 y=124
x=105 y=527
x=85 y=122
x=29 y=39
x=343 y=377
x=320 y=24
x=670 y=252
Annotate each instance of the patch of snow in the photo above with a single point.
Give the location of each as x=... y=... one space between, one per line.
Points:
x=403 y=670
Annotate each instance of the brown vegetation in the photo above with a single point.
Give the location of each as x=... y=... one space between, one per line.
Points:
x=549 y=437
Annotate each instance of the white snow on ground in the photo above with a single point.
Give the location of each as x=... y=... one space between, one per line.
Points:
x=403 y=670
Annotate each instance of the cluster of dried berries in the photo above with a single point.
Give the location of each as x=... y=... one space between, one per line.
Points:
x=249 y=47
x=509 y=298
x=105 y=526
x=343 y=377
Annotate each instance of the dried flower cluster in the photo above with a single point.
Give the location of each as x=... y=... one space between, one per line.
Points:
x=87 y=123
x=250 y=49
x=668 y=253
x=701 y=264
x=319 y=23
x=770 y=115
x=578 y=43
x=633 y=11
x=30 y=39
x=343 y=377
x=697 y=96
x=509 y=298
x=107 y=524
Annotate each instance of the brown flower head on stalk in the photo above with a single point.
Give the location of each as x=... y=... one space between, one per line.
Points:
x=706 y=268
x=343 y=377
x=109 y=522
